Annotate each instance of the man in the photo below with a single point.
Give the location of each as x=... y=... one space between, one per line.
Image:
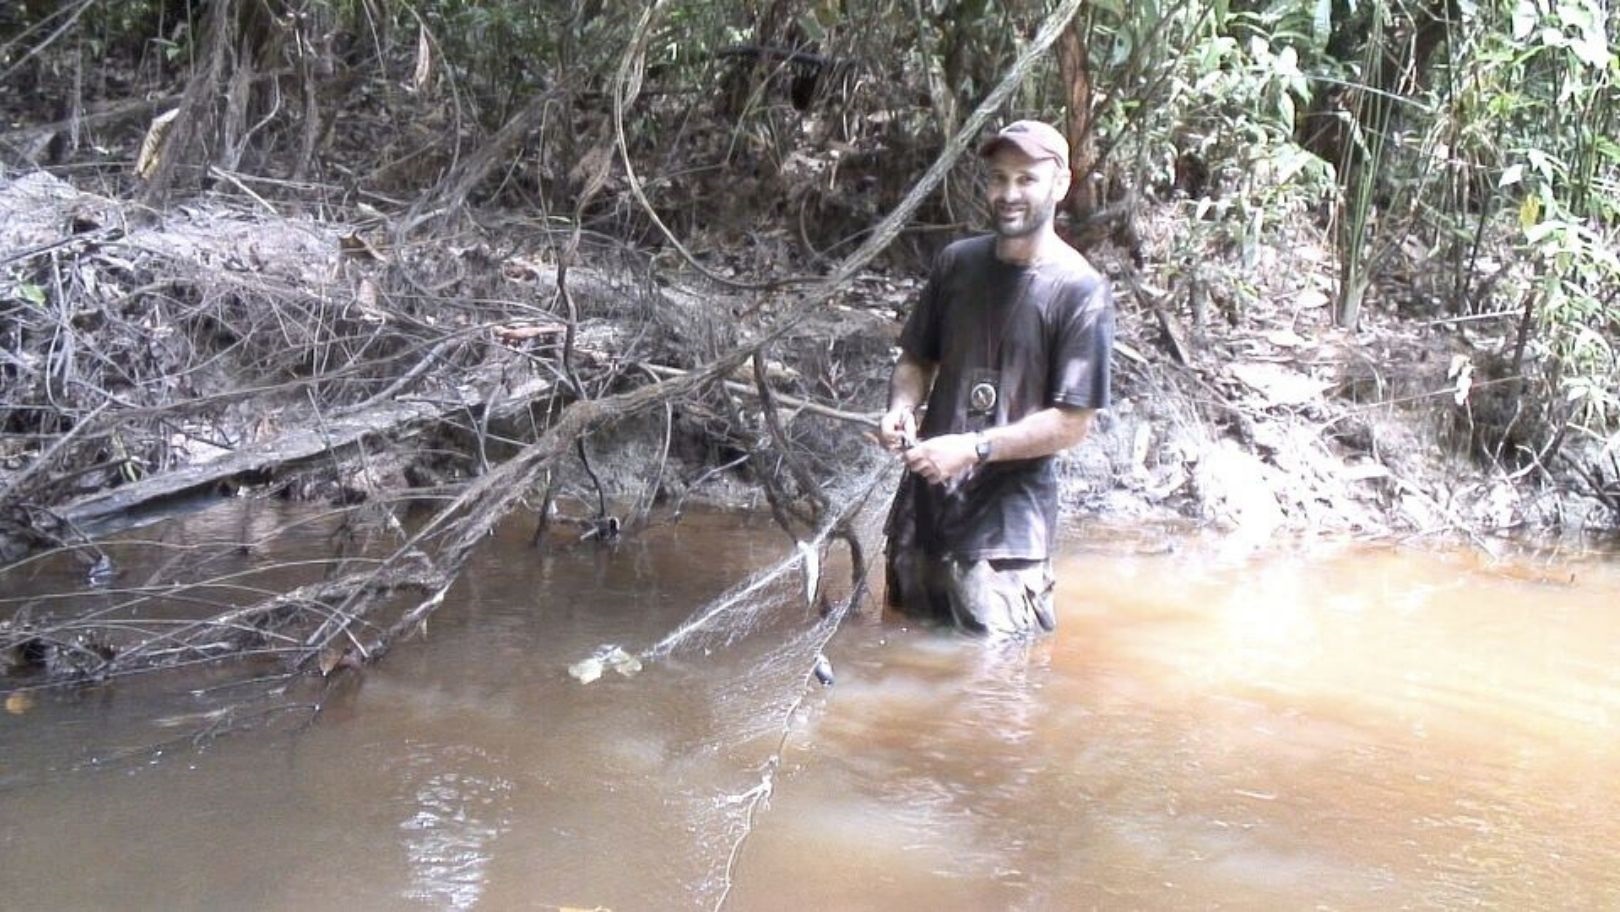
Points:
x=1009 y=348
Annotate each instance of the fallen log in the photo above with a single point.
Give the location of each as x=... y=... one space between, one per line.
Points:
x=134 y=504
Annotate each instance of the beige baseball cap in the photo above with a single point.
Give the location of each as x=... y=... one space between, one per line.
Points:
x=1034 y=138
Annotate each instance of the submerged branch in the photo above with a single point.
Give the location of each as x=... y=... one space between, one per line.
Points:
x=430 y=559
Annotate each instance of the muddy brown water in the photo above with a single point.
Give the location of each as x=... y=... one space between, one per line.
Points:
x=1325 y=727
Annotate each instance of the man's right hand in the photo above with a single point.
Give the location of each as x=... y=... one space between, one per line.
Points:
x=897 y=430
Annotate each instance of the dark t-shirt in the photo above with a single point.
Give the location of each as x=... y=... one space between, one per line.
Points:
x=1037 y=336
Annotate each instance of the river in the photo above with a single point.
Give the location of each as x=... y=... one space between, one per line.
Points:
x=1324 y=726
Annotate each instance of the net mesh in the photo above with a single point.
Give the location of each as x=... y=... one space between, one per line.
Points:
x=770 y=631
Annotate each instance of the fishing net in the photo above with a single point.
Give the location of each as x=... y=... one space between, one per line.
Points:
x=769 y=634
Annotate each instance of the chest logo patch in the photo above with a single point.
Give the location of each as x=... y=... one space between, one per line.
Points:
x=982 y=397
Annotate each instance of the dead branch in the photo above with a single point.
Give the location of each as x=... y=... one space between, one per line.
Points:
x=474 y=513
x=424 y=564
x=868 y=419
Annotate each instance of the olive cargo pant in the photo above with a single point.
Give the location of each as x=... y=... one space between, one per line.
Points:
x=997 y=598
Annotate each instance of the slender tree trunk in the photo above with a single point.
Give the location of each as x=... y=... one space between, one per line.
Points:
x=1075 y=72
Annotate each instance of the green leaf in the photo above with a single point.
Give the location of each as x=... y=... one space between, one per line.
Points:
x=1575 y=15
x=1525 y=17
x=812 y=27
x=1529 y=214
x=1592 y=49
x=1322 y=21
x=1540 y=162
x=1287 y=62
x=32 y=293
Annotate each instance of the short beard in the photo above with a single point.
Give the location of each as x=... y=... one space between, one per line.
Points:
x=1040 y=216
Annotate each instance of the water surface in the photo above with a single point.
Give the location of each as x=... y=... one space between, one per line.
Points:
x=1338 y=727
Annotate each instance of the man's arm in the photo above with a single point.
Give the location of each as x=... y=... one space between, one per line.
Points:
x=1043 y=433
x=908 y=389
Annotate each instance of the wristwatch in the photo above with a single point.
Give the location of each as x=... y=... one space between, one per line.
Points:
x=981 y=447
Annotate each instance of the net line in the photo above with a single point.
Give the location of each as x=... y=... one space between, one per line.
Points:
x=754 y=707
x=805 y=558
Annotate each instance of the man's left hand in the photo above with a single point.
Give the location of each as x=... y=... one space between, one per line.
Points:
x=944 y=458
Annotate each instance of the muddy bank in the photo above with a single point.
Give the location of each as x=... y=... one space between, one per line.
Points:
x=232 y=346
x=426 y=390
x=227 y=347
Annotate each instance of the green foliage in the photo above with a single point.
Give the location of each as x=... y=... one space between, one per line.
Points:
x=1230 y=96
x=1483 y=130
x=1577 y=273
x=1536 y=107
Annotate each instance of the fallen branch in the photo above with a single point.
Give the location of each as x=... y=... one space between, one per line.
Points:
x=108 y=511
x=101 y=115
x=433 y=557
x=869 y=419
x=474 y=513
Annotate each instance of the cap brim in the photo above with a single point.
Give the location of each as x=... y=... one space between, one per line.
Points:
x=1024 y=144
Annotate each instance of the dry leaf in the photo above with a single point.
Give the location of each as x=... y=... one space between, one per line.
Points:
x=1461 y=370
x=1366 y=471
x=423 y=77
x=1277 y=384
x=354 y=245
x=1310 y=299
x=367 y=297
x=146 y=161
x=518 y=332
x=812 y=570
x=1286 y=338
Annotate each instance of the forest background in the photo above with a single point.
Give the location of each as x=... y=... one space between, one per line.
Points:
x=584 y=259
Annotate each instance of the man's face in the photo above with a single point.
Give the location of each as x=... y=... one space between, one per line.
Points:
x=1024 y=192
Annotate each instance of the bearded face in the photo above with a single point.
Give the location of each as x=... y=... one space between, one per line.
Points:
x=1023 y=192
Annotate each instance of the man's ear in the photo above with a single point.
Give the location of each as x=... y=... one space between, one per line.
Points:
x=1060 y=180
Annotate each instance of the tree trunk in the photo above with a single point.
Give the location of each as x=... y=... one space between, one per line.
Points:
x=1074 y=72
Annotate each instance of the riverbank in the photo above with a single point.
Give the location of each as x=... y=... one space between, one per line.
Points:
x=428 y=386
x=235 y=345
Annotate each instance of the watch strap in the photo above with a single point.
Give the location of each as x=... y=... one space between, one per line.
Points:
x=981 y=447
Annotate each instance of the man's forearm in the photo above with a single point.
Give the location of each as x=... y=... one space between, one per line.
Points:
x=1043 y=433
x=908 y=385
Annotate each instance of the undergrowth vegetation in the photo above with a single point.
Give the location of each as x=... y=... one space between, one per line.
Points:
x=1458 y=155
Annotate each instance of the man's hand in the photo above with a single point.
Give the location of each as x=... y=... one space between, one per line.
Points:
x=897 y=430
x=942 y=459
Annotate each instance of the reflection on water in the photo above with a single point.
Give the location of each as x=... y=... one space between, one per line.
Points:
x=1352 y=728
x=456 y=817
x=1345 y=727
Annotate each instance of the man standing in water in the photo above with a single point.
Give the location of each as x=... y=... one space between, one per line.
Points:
x=1009 y=348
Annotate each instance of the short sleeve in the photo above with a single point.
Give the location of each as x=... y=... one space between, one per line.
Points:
x=1083 y=342
x=920 y=338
